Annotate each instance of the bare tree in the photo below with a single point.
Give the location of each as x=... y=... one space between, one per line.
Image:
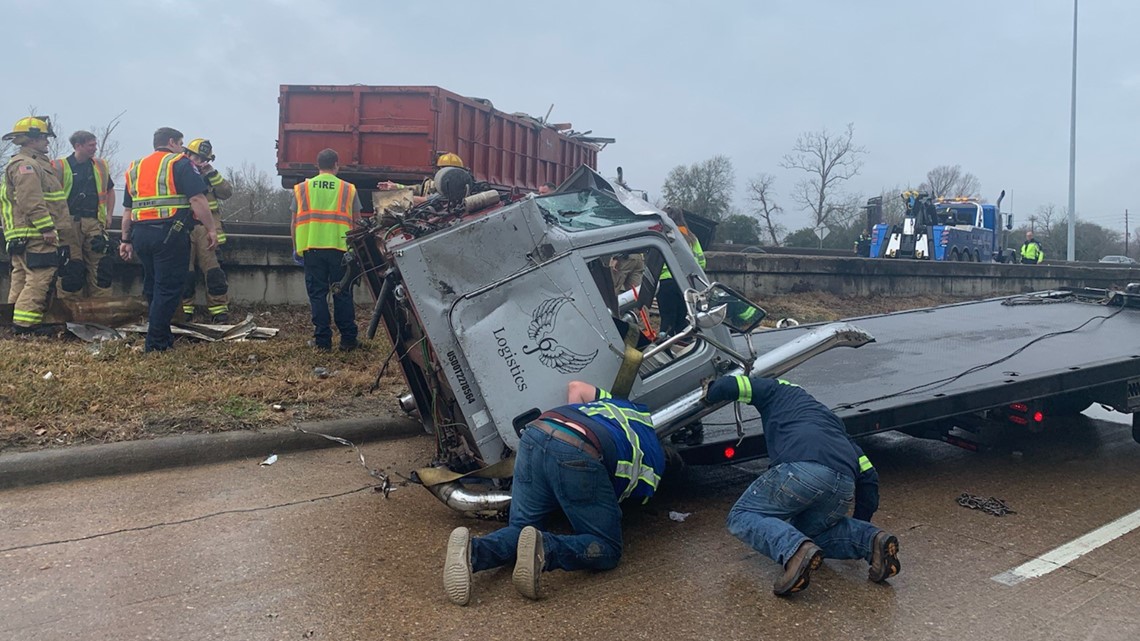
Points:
x=945 y=181
x=829 y=160
x=762 y=196
x=1047 y=216
x=703 y=187
x=894 y=209
x=256 y=197
x=109 y=147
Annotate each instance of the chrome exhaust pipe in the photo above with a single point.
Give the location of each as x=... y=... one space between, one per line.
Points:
x=691 y=407
x=457 y=497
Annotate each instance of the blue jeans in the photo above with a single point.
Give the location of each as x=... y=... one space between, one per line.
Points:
x=164 y=274
x=793 y=502
x=323 y=267
x=551 y=474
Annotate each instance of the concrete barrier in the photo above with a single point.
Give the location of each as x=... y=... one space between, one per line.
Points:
x=757 y=275
x=260 y=269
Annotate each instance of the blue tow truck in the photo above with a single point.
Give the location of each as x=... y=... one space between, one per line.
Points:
x=949 y=229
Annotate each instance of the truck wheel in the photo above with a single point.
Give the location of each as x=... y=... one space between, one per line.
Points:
x=954 y=256
x=977 y=256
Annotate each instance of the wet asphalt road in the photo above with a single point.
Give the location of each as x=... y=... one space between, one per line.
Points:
x=304 y=549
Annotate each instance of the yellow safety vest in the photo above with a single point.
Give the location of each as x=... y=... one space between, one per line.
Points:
x=101 y=182
x=695 y=245
x=324 y=213
x=1031 y=253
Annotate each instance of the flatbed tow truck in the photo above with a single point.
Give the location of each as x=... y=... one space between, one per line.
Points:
x=495 y=300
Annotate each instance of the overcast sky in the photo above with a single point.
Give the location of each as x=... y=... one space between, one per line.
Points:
x=981 y=83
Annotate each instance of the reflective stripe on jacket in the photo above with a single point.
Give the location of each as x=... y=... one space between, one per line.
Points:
x=102 y=182
x=324 y=213
x=150 y=182
x=639 y=461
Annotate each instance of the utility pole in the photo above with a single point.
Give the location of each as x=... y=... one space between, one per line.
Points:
x=1125 y=232
x=1072 y=248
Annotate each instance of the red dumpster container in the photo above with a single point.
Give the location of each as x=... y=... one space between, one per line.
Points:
x=396 y=133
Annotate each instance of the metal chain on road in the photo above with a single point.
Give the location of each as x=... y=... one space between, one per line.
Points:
x=990 y=505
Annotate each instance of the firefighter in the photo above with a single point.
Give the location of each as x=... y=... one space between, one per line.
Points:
x=424 y=190
x=38 y=232
x=585 y=458
x=795 y=513
x=670 y=298
x=163 y=193
x=324 y=209
x=1031 y=252
x=201 y=154
x=91 y=203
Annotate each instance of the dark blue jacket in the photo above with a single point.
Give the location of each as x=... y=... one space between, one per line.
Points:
x=800 y=429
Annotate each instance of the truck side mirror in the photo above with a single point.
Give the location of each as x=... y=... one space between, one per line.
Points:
x=740 y=314
x=1009 y=221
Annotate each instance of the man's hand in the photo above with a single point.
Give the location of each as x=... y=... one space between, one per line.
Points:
x=51 y=237
x=211 y=239
x=126 y=251
x=722 y=389
x=387 y=185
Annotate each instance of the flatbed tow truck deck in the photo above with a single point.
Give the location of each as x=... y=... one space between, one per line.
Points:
x=937 y=364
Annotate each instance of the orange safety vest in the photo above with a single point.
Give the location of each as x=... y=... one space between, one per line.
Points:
x=150 y=182
x=324 y=213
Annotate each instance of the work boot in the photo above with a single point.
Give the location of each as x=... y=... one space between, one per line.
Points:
x=884 y=557
x=529 y=563
x=797 y=571
x=457 y=566
x=34 y=330
x=348 y=346
x=220 y=319
x=320 y=347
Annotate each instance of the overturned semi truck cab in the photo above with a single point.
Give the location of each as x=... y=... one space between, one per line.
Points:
x=494 y=301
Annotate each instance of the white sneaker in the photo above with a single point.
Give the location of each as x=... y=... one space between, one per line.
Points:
x=457 y=566
x=529 y=564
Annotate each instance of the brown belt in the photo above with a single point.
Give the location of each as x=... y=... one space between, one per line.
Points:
x=578 y=441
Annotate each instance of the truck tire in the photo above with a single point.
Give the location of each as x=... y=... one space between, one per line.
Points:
x=977 y=256
x=954 y=255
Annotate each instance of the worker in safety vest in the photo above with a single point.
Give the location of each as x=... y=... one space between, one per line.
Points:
x=201 y=154
x=164 y=194
x=1031 y=251
x=670 y=296
x=583 y=458
x=38 y=232
x=325 y=208
x=812 y=479
x=91 y=202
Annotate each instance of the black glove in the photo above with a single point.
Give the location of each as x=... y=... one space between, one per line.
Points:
x=722 y=389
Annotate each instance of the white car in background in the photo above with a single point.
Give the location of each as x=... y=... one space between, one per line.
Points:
x=1119 y=260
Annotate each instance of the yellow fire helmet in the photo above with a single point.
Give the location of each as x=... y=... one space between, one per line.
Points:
x=449 y=160
x=200 y=147
x=31 y=126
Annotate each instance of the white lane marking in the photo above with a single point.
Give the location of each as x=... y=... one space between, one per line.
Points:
x=1070 y=551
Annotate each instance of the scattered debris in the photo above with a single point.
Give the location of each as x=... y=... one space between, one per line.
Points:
x=321 y=372
x=270 y=461
x=277 y=407
x=245 y=330
x=679 y=516
x=94 y=333
x=48 y=376
x=252 y=358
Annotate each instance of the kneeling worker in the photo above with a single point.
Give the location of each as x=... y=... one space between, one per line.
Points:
x=795 y=513
x=583 y=458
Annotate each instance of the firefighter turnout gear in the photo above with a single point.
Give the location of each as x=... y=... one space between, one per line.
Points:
x=205 y=260
x=31 y=126
x=94 y=247
x=37 y=229
x=449 y=160
x=200 y=147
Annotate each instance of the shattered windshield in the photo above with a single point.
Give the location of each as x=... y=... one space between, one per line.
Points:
x=583 y=210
